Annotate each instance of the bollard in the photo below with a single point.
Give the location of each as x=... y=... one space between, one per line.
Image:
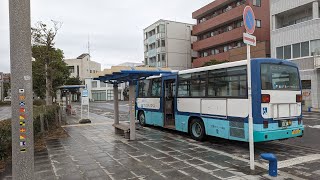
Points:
x=273 y=163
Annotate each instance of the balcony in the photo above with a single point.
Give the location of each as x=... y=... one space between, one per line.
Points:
x=220 y=39
x=152 y=53
x=259 y=51
x=229 y=16
x=151 y=39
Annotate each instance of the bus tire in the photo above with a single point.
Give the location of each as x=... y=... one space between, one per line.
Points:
x=197 y=129
x=142 y=118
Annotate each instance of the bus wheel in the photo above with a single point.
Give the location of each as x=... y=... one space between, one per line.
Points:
x=197 y=129
x=142 y=118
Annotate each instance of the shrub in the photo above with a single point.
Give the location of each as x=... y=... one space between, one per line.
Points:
x=39 y=102
x=5 y=139
x=49 y=113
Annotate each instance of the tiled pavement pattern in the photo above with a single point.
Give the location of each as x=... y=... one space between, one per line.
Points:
x=95 y=152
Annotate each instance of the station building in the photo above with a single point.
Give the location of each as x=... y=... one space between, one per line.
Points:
x=295 y=35
x=220 y=29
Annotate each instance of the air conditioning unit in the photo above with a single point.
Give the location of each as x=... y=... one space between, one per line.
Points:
x=316 y=57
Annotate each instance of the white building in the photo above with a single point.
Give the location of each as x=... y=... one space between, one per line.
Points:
x=168 y=44
x=82 y=66
x=295 y=35
x=99 y=91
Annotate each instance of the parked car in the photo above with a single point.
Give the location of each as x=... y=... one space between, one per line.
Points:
x=7 y=99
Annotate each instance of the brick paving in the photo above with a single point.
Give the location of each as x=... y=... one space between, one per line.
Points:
x=93 y=151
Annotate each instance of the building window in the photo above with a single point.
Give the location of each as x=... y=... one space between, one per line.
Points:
x=103 y=84
x=162 y=28
x=257 y=3
x=305 y=49
x=287 y=52
x=163 y=43
x=306 y=84
x=280 y=52
x=296 y=52
x=315 y=47
x=258 y=23
x=71 y=69
x=94 y=84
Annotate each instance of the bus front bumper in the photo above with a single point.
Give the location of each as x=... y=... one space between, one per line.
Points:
x=260 y=136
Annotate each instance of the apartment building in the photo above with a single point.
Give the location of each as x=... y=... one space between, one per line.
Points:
x=82 y=66
x=220 y=29
x=168 y=44
x=295 y=35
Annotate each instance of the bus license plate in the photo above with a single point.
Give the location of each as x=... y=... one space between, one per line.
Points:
x=296 y=131
x=285 y=123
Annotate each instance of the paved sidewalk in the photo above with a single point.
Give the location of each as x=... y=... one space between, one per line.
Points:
x=5 y=112
x=93 y=151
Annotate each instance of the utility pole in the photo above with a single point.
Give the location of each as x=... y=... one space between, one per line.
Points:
x=21 y=87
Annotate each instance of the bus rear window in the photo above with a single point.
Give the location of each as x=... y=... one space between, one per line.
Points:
x=279 y=77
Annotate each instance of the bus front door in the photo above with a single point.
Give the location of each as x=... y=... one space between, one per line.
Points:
x=169 y=119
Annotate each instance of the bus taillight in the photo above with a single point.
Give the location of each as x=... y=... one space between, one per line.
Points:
x=265 y=124
x=265 y=98
x=299 y=98
x=299 y=121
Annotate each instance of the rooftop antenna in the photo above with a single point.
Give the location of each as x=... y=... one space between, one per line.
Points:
x=89 y=46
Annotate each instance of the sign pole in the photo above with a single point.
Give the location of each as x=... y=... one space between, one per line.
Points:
x=250 y=120
x=250 y=25
x=22 y=95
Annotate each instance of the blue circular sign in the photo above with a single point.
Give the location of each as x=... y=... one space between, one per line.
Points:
x=249 y=20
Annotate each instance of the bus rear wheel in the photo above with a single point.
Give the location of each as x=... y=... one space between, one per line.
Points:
x=142 y=118
x=197 y=129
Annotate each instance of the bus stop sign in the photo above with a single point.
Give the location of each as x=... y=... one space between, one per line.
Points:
x=249 y=20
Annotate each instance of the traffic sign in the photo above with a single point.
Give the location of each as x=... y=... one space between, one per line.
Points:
x=249 y=39
x=249 y=20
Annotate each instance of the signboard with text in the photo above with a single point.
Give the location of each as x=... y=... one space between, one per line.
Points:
x=249 y=39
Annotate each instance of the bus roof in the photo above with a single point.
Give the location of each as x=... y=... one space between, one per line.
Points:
x=233 y=64
x=218 y=66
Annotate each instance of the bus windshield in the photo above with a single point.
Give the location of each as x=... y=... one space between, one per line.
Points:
x=279 y=77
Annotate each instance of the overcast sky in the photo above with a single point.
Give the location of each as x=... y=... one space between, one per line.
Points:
x=115 y=27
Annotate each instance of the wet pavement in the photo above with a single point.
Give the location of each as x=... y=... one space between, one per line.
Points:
x=93 y=151
x=5 y=112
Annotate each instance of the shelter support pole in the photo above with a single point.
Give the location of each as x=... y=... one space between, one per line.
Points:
x=116 y=103
x=132 y=110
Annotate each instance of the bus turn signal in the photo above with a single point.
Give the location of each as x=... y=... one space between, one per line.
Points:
x=265 y=98
x=299 y=98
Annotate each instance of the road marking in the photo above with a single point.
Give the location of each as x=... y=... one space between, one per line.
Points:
x=316 y=126
x=298 y=160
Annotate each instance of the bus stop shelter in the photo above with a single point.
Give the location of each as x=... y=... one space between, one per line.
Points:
x=125 y=74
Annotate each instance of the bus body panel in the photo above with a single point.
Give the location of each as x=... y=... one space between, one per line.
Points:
x=228 y=117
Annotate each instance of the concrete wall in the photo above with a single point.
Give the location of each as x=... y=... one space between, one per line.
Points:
x=177 y=48
x=85 y=65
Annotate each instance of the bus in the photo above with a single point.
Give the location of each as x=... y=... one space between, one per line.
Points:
x=213 y=101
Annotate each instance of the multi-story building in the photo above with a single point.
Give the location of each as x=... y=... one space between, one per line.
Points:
x=168 y=44
x=82 y=66
x=295 y=35
x=220 y=29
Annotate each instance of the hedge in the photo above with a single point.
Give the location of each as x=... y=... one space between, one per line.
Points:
x=49 y=113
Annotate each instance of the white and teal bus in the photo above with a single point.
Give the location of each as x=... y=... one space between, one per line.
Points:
x=213 y=101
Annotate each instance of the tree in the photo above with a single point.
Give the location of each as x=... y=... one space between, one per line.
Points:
x=6 y=87
x=126 y=93
x=73 y=81
x=58 y=69
x=213 y=62
x=43 y=37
